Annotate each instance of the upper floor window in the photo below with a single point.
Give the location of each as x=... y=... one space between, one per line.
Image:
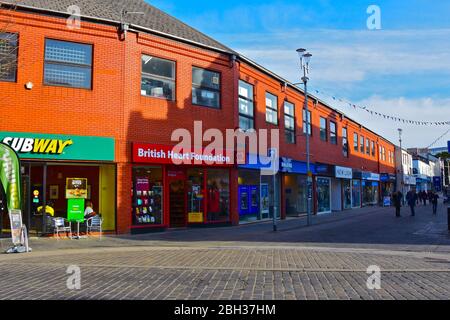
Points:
x=345 y=142
x=246 y=106
x=361 y=144
x=355 y=142
x=307 y=122
x=68 y=64
x=289 y=121
x=158 y=78
x=368 y=147
x=384 y=154
x=205 y=88
x=8 y=56
x=333 y=133
x=373 y=149
x=323 y=129
x=271 y=109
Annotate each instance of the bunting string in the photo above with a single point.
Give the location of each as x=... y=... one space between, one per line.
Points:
x=382 y=115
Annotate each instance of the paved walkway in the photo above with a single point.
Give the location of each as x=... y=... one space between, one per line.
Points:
x=326 y=261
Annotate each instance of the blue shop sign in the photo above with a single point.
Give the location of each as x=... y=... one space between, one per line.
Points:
x=387 y=177
x=257 y=162
x=370 y=176
x=288 y=165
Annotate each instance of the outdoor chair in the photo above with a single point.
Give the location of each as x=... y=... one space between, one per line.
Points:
x=94 y=224
x=62 y=225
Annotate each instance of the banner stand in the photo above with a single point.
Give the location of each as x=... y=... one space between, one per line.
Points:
x=19 y=234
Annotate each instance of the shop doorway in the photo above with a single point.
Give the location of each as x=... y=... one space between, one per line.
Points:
x=177 y=198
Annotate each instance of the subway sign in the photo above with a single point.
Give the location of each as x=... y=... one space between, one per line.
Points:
x=59 y=147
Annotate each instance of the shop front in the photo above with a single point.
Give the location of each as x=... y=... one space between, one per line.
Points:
x=59 y=170
x=167 y=193
x=325 y=181
x=356 y=189
x=295 y=186
x=388 y=182
x=370 y=185
x=258 y=193
x=423 y=183
x=409 y=183
x=344 y=177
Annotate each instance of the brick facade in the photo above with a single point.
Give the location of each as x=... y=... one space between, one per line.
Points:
x=115 y=107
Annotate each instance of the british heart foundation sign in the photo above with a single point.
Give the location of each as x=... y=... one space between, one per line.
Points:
x=162 y=154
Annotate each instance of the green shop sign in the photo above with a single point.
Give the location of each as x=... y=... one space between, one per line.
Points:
x=59 y=147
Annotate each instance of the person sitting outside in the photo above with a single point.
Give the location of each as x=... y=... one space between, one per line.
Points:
x=48 y=209
x=89 y=211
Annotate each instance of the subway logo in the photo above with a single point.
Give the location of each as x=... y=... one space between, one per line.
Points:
x=37 y=146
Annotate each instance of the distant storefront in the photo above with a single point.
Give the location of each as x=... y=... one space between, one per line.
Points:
x=388 y=182
x=344 y=177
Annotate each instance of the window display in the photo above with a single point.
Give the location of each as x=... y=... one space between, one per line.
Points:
x=356 y=193
x=147 y=196
x=218 y=195
x=323 y=195
x=195 y=194
x=370 y=193
x=347 y=193
x=295 y=194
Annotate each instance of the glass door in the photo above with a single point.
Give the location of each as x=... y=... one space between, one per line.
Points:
x=196 y=195
x=323 y=195
x=347 y=194
x=177 y=198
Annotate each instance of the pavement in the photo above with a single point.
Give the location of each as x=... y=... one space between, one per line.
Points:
x=328 y=260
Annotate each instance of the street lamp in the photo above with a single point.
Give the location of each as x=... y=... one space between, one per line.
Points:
x=400 y=131
x=305 y=58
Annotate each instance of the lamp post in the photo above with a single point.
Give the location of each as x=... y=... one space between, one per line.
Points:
x=402 y=170
x=305 y=58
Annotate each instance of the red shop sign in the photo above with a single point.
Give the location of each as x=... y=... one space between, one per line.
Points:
x=162 y=154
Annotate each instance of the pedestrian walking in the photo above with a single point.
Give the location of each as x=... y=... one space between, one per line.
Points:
x=397 y=200
x=411 y=198
x=434 y=202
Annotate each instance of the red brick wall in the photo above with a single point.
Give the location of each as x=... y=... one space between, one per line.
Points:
x=115 y=107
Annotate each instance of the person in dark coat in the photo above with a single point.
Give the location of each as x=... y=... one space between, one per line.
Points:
x=411 y=198
x=397 y=200
x=434 y=201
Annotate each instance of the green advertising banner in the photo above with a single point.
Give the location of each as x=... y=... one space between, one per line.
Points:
x=10 y=176
x=59 y=147
x=75 y=210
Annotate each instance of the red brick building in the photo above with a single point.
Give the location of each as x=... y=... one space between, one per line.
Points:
x=84 y=102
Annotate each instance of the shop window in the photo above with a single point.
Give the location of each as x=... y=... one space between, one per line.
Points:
x=195 y=193
x=307 y=122
x=246 y=106
x=345 y=142
x=368 y=147
x=361 y=144
x=147 y=196
x=323 y=187
x=271 y=109
x=158 y=78
x=295 y=194
x=355 y=142
x=289 y=122
x=8 y=56
x=218 y=195
x=205 y=88
x=323 y=129
x=68 y=64
x=356 y=193
x=333 y=133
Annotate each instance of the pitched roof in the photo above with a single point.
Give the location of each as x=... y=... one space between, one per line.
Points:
x=153 y=18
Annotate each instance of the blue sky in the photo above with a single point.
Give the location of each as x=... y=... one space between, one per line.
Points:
x=402 y=70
